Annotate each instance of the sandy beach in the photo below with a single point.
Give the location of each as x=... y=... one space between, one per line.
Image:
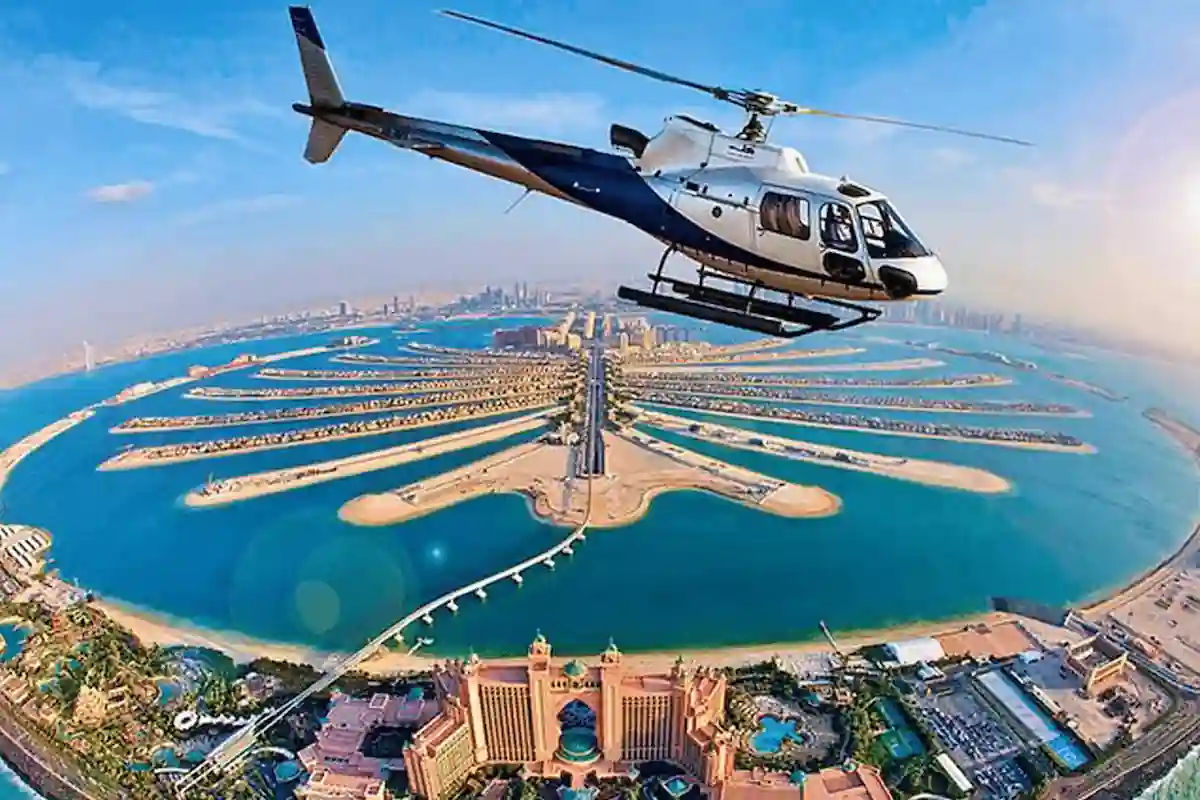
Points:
x=746 y=357
x=260 y=484
x=14 y=455
x=140 y=457
x=867 y=366
x=639 y=468
x=151 y=628
x=929 y=473
x=1085 y=449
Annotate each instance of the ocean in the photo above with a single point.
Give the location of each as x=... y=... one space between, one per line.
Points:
x=715 y=573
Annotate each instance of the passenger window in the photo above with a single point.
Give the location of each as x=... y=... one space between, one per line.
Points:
x=785 y=214
x=837 y=228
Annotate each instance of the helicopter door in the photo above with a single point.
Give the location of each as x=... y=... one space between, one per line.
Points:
x=724 y=218
x=842 y=256
x=785 y=230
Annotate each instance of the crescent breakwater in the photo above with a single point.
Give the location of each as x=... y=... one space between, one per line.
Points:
x=1006 y=437
x=861 y=366
x=192 y=451
x=535 y=378
x=433 y=399
x=722 y=379
x=734 y=391
x=478 y=359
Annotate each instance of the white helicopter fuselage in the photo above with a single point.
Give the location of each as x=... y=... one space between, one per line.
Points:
x=762 y=200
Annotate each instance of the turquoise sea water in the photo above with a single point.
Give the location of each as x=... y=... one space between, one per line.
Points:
x=284 y=568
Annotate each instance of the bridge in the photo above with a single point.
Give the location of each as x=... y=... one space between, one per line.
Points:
x=236 y=746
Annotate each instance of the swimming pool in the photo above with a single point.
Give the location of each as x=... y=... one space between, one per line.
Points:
x=1039 y=724
x=772 y=733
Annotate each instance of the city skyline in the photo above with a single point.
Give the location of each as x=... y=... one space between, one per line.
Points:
x=165 y=145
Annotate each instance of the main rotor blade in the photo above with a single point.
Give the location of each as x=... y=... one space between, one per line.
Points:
x=715 y=91
x=787 y=108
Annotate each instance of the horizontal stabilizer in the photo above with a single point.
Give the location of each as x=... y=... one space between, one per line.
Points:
x=323 y=139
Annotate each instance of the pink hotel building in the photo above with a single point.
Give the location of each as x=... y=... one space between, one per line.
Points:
x=575 y=718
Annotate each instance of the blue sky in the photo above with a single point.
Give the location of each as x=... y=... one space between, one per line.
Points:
x=151 y=178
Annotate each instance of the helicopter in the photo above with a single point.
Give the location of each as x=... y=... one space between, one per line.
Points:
x=779 y=250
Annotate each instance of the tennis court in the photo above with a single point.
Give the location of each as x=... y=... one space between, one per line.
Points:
x=900 y=740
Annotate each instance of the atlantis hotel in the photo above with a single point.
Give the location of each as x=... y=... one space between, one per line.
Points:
x=574 y=718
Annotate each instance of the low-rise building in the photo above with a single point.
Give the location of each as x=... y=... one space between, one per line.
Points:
x=336 y=762
x=1097 y=662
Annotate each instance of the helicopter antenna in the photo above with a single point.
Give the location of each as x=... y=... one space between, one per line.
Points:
x=756 y=103
x=517 y=202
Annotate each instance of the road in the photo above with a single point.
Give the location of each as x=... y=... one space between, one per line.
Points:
x=589 y=458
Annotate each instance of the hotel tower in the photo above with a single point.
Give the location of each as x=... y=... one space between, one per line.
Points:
x=554 y=717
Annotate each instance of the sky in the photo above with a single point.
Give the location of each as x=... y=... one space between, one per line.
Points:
x=151 y=175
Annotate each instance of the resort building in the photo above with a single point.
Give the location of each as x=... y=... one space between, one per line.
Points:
x=835 y=783
x=556 y=716
x=1096 y=662
x=22 y=548
x=336 y=762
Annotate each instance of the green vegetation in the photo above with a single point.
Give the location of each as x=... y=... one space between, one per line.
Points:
x=766 y=679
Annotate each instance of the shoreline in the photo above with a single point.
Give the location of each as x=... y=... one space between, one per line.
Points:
x=21 y=449
x=152 y=627
x=1082 y=449
x=269 y=482
x=121 y=460
x=640 y=469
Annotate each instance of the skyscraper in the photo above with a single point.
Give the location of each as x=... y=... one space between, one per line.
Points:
x=89 y=357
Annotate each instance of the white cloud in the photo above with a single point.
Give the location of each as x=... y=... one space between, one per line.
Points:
x=548 y=112
x=225 y=209
x=203 y=111
x=1050 y=192
x=120 y=192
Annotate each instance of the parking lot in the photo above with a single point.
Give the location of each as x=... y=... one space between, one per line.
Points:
x=976 y=739
x=1100 y=727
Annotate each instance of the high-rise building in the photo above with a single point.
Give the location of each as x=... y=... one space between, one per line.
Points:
x=343 y=309
x=89 y=357
x=557 y=717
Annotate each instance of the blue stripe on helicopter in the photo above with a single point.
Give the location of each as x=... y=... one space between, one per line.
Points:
x=609 y=184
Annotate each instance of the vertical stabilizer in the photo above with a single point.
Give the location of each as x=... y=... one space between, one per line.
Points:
x=323 y=89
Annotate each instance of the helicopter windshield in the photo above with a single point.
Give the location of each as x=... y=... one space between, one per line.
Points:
x=886 y=234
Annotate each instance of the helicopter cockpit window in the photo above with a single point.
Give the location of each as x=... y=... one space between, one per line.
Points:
x=785 y=214
x=837 y=228
x=886 y=234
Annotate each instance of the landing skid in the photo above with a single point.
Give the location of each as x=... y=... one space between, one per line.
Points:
x=749 y=311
